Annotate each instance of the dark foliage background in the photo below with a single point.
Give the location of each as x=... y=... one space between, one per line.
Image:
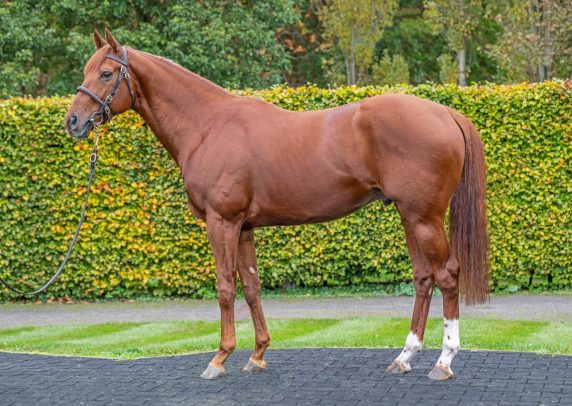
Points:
x=257 y=43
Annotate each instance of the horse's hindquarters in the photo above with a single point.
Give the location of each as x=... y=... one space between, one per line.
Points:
x=417 y=146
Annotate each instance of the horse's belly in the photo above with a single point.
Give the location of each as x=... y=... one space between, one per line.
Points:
x=308 y=211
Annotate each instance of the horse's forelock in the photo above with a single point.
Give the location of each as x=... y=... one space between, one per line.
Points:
x=97 y=59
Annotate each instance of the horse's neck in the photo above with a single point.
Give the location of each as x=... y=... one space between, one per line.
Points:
x=178 y=105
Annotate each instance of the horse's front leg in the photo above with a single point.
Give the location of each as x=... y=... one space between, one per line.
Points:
x=223 y=236
x=251 y=287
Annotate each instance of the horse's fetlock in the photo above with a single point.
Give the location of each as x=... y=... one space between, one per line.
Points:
x=263 y=341
x=413 y=343
x=227 y=347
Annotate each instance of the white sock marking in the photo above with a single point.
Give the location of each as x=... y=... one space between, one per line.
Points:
x=412 y=346
x=451 y=343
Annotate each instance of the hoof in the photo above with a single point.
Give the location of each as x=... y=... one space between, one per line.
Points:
x=212 y=372
x=440 y=373
x=253 y=367
x=398 y=367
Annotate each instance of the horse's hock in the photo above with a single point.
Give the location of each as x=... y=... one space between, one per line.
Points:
x=304 y=376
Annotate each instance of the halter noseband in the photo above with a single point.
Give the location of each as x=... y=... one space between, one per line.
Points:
x=104 y=111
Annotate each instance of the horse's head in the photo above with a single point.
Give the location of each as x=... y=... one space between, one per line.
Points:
x=106 y=89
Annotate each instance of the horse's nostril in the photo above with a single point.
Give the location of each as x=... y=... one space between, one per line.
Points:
x=73 y=122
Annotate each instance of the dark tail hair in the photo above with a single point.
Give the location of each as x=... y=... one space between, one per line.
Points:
x=468 y=218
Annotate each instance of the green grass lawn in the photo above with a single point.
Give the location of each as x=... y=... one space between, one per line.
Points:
x=132 y=340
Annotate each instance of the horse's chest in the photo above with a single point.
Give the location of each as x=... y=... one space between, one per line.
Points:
x=197 y=209
x=196 y=201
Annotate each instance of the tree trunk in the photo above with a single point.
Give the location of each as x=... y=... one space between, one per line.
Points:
x=41 y=88
x=533 y=10
x=351 y=70
x=462 y=53
x=548 y=50
x=348 y=63
x=351 y=73
x=462 y=59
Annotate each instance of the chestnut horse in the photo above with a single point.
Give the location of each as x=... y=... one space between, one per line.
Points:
x=247 y=163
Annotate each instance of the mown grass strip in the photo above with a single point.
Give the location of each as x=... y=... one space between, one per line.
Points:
x=133 y=340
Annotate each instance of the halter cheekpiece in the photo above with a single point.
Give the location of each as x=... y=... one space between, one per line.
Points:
x=104 y=111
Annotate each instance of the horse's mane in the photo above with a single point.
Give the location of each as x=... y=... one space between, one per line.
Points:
x=101 y=53
x=199 y=78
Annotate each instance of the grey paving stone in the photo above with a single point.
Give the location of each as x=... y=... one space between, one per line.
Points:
x=305 y=377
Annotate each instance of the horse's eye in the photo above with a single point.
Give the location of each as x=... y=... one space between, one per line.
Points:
x=106 y=75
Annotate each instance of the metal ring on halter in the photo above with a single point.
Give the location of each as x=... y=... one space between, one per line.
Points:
x=92 y=119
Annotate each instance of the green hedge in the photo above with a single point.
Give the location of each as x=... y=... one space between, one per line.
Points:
x=140 y=239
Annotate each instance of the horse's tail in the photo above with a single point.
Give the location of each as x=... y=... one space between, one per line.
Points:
x=468 y=218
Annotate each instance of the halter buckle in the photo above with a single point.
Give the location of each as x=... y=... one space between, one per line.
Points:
x=109 y=99
x=123 y=69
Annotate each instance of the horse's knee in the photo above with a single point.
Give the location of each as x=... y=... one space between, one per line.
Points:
x=447 y=277
x=226 y=295
x=251 y=293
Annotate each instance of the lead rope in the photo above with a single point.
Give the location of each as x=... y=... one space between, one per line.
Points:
x=93 y=161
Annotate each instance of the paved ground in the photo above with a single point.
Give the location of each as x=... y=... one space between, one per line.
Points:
x=310 y=376
x=525 y=307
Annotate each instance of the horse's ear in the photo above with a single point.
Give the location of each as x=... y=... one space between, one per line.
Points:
x=98 y=40
x=111 y=41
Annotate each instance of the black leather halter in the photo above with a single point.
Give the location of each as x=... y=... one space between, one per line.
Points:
x=104 y=111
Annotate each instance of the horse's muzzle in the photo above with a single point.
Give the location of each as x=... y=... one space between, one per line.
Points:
x=77 y=132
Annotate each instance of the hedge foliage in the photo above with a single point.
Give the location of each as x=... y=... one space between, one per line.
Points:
x=139 y=239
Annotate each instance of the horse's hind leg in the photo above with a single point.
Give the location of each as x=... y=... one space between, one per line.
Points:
x=429 y=234
x=424 y=281
x=448 y=281
x=251 y=287
x=433 y=242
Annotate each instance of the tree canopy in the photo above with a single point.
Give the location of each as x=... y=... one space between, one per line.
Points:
x=259 y=43
x=45 y=43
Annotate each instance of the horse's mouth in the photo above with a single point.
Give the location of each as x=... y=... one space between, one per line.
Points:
x=85 y=130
